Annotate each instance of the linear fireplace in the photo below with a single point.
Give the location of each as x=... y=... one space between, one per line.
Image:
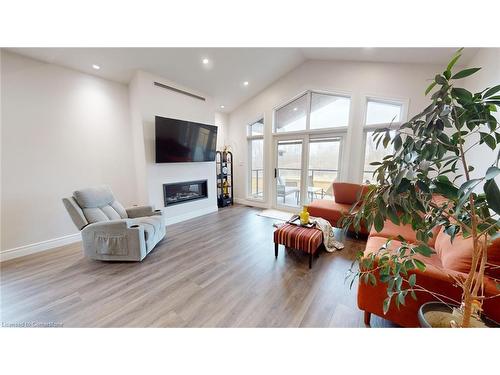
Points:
x=181 y=192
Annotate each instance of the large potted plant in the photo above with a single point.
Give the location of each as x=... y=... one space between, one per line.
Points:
x=430 y=157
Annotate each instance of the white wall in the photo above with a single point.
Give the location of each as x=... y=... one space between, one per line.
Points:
x=61 y=130
x=481 y=156
x=147 y=101
x=398 y=81
x=222 y=123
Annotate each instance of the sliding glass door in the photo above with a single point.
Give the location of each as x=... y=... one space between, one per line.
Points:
x=288 y=172
x=306 y=167
x=322 y=167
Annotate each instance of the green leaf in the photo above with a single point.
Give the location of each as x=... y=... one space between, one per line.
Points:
x=372 y=279
x=412 y=280
x=452 y=62
x=387 y=303
x=424 y=250
x=465 y=73
x=468 y=185
x=413 y=295
x=462 y=94
x=420 y=265
x=403 y=186
x=378 y=222
x=491 y=91
x=492 y=195
x=488 y=139
x=393 y=215
x=446 y=189
x=398 y=142
x=430 y=87
x=386 y=140
x=492 y=172
x=401 y=298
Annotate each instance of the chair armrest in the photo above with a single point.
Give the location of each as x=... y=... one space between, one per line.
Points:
x=139 y=211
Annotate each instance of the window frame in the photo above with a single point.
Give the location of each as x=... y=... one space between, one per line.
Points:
x=307 y=134
x=403 y=102
x=308 y=93
x=249 y=139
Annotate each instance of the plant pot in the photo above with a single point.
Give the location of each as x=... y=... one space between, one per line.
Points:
x=440 y=315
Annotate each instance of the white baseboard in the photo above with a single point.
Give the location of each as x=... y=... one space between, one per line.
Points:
x=189 y=215
x=252 y=203
x=22 y=251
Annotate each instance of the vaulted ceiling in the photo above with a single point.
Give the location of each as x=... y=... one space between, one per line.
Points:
x=224 y=72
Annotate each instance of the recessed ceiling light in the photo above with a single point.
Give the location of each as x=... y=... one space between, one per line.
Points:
x=96 y=67
x=205 y=61
x=222 y=106
x=295 y=109
x=245 y=83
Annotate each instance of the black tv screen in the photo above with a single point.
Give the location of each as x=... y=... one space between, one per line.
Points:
x=179 y=141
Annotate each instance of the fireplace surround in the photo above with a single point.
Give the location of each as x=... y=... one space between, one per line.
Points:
x=181 y=192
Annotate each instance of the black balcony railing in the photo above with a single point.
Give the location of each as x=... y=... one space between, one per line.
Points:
x=257 y=177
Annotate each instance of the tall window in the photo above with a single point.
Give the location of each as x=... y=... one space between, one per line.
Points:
x=255 y=139
x=309 y=132
x=379 y=114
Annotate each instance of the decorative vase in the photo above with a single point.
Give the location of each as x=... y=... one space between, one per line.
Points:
x=304 y=216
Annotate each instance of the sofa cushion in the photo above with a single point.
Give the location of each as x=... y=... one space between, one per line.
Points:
x=391 y=230
x=457 y=255
x=328 y=210
x=346 y=193
x=493 y=268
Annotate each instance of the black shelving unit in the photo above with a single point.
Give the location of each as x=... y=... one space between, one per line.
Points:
x=224 y=170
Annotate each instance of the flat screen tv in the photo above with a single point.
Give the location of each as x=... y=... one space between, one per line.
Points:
x=179 y=141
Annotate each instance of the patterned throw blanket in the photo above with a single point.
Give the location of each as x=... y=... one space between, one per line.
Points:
x=331 y=244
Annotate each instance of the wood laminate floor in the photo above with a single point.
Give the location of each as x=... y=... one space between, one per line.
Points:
x=217 y=270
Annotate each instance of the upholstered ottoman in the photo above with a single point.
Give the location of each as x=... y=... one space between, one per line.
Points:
x=300 y=238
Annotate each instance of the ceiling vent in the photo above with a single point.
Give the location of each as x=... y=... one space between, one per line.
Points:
x=179 y=91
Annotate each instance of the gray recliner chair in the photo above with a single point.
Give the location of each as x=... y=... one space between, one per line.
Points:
x=110 y=231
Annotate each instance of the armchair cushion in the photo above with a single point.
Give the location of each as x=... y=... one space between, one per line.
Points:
x=99 y=204
x=94 y=197
x=154 y=228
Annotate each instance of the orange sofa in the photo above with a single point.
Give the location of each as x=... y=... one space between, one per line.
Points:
x=449 y=259
x=344 y=196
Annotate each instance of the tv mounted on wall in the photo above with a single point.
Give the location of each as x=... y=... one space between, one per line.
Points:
x=179 y=141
